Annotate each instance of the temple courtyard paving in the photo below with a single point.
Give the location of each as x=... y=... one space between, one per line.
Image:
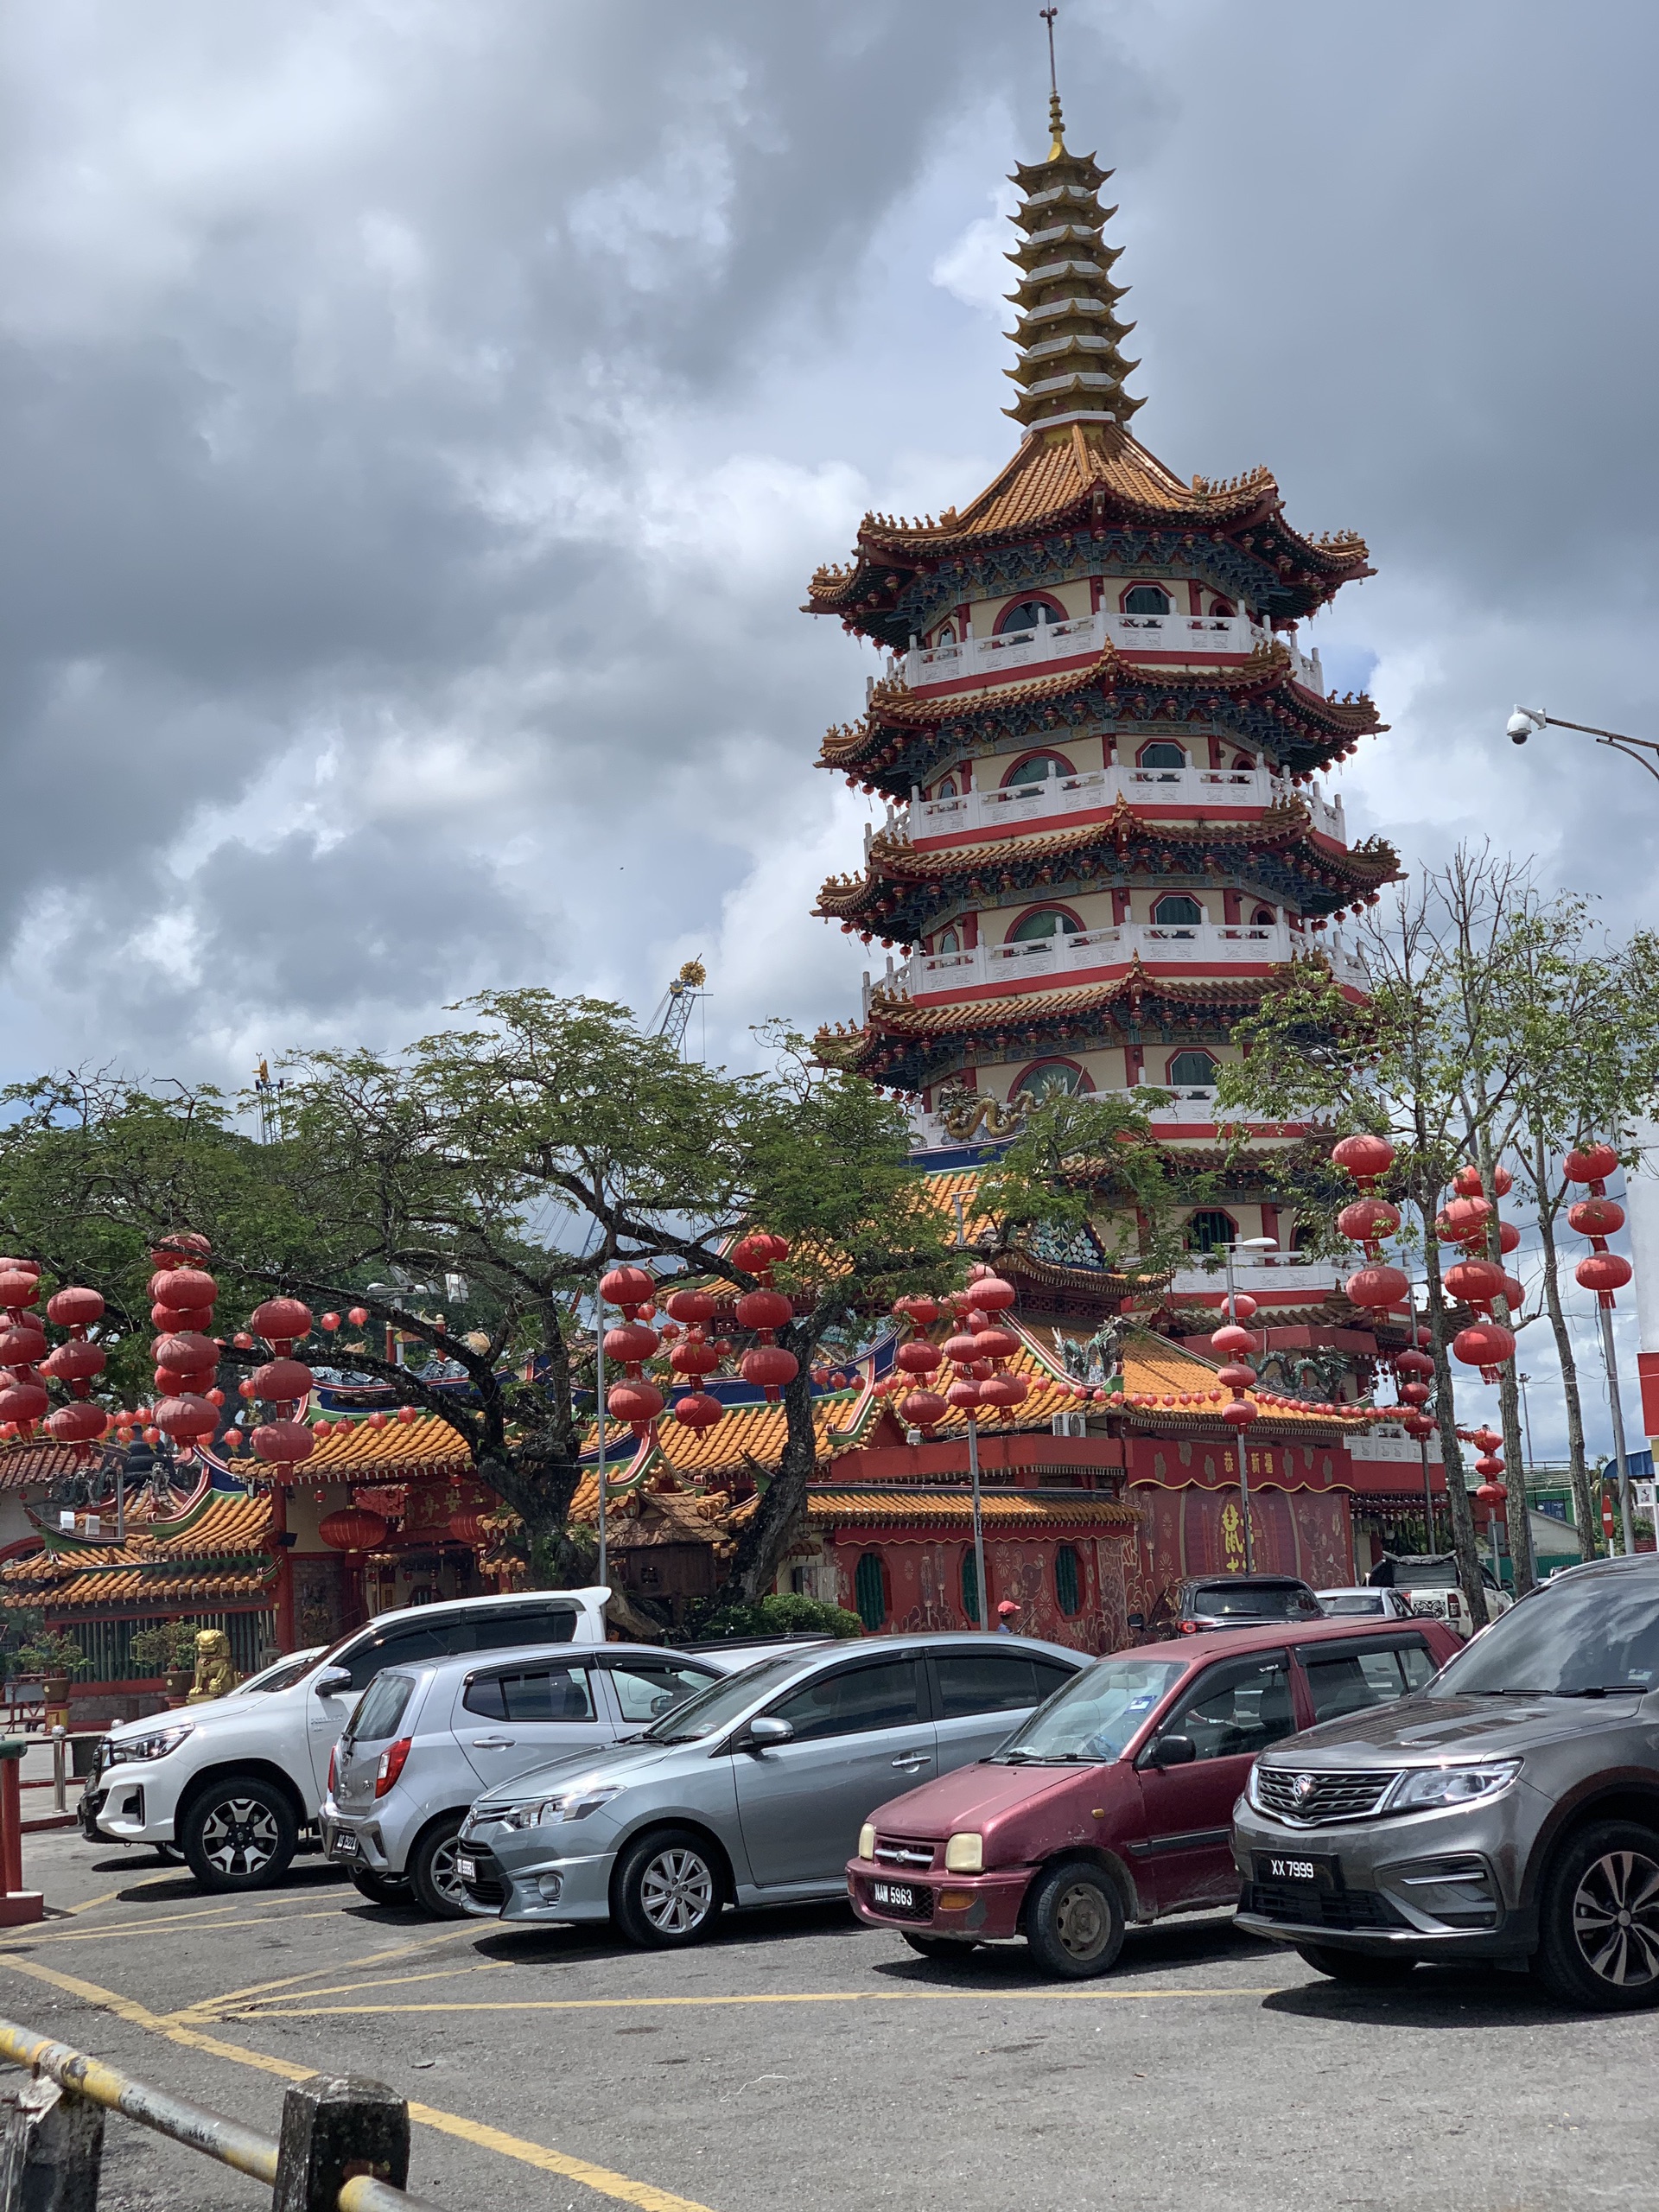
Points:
x=802 y=2060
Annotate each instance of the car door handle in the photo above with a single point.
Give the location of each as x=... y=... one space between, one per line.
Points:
x=912 y=1758
x=493 y=1742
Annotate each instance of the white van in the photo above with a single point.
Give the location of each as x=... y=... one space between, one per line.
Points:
x=231 y=1783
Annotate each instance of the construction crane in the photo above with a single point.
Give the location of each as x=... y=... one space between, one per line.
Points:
x=674 y=1009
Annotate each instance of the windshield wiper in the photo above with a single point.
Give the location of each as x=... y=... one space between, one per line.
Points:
x=1593 y=1689
x=1045 y=1758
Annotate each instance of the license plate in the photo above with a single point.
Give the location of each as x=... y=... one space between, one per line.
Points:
x=900 y=1895
x=1312 y=1870
x=346 y=1845
x=467 y=1869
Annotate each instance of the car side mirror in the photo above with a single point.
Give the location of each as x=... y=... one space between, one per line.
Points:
x=332 y=1681
x=769 y=1730
x=1137 y=1620
x=1170 y=1750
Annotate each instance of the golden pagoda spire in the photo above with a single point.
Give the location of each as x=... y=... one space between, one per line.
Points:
x=1070 y=368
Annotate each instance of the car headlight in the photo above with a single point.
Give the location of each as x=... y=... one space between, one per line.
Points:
x=148 y=1747
x=965 y=1854
x=1432 y=1786
x=573 y=1805
x=1252 y=1794
x=867 y=1840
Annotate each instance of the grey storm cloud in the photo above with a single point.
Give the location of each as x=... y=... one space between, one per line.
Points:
x=418 y=423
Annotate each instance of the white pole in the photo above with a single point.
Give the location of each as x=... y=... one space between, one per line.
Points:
x=979 y=1529
x=1617 y=1411
x=1239 y=1435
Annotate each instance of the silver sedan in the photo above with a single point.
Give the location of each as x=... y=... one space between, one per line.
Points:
x=753 y=1791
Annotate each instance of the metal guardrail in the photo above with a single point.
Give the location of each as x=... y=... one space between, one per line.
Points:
x=344 y=2145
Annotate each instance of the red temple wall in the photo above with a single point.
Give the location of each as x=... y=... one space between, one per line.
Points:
x=924 y=1580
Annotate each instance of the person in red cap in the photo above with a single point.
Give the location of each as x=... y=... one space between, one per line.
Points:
x=1007 y=1616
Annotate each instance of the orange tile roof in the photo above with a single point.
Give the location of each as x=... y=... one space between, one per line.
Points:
x=135 y=1587
x=397 y=1452
x=1165 y=1374
x=887 y=1505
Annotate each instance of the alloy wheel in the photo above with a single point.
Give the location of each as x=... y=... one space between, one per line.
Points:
x=445 y=1878
x=1616 y=1918
x=1080 y=1921
x=676 y=1891
x=240 y=1836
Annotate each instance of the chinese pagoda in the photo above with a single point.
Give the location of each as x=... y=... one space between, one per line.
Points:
x=1098 y=742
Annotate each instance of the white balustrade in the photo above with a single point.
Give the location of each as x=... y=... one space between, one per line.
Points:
x=1037 y=960
x=1052 y=798
x=1172 y=636
x=1286 y=1272
x=1387 y=1445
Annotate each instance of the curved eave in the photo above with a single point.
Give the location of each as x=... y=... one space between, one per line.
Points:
x=904 y=886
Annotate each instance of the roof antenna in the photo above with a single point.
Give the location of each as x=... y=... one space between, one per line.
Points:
x=1054 y=123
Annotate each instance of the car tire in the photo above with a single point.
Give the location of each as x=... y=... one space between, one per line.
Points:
x=239 y=1834
x=666 y=1893
x=940 y=1947
x=1365 y=1969
x=1074 y=1920
x=379 y=1889
x=432 y=1876
x=1599 y=1919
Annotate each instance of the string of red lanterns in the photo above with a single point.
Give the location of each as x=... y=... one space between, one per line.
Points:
x=77 y=1362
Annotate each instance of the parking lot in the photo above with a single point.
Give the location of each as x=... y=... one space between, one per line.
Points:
x=800 y=2057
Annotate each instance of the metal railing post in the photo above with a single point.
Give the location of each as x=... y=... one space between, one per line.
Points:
x=59 y=1747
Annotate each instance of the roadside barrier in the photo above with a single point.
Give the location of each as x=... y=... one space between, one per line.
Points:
x=344 y=2145
x=18 y=1906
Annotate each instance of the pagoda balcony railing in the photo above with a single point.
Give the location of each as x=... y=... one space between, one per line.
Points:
x=1179 y=637
x=1054 y=798
x=1268 y=1271
x=1039 y=961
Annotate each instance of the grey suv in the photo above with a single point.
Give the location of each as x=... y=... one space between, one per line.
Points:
x=1508 y=1810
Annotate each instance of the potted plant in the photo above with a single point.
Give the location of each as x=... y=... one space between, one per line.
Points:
x=167 y=1649
x=55 y=1657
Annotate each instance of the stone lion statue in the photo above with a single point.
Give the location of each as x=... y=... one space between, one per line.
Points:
x=215 y=1677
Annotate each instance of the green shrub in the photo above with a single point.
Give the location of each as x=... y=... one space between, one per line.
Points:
x=782 y=1613
x=165 y=1647
x=54 y=1651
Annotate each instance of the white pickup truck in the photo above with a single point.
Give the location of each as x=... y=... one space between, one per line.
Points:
x=1429 y=1586
x=230 y=1784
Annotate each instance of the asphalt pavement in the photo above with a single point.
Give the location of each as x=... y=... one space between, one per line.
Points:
x=801 y=2060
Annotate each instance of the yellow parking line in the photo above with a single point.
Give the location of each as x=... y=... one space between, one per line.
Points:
x=256 y=2004
x=129 y=1928
x=601 y=2179
x=986 y=1994
x=208 y=2006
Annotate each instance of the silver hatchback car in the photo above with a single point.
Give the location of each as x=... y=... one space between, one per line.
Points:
x=424 y=1739
x=753 y=1793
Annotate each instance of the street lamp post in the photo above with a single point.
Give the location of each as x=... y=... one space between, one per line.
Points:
x=1245 y=1244
x=1532 y=721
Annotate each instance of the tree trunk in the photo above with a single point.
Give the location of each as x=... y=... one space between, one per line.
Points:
x=1519 y=1525
x=1589 y=1527
x=779 y=1513
x=1464 y=1543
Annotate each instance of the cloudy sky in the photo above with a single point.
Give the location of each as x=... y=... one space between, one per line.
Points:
x=419 y=418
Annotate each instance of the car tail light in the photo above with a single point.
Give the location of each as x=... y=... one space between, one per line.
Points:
x=334 y=1761
x=1189 y=1628
x=392 y=1765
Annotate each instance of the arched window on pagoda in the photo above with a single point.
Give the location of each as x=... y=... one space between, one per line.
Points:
x=947 y=634
x=1222 y=607
x=1052 y=1079
x=1176 y=910
x=1243 y=760
x=1037 y=768
x=1192 y=1070
x=1027 y=614
x=1047 y=921
x=1162 y=753
x=1146 y=599
x=1263 y=917
x=947 y=789
x=949 y=942
x=1209 y=1229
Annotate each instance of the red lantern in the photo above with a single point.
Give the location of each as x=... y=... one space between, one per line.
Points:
x=922 y=1312
x=74 y=1307
x=1377 y=1286
x=923 y=1409
x=186 y=1419
x=917 y=1357
x=769 y=1367
x=283 y=1443
x=1240 y=1413
x=377 y=1421
x=408 y=1414
x=18 y=1288
x=281 y=1322
x=1475 y=1282
x=1367 y=1219
x=764 y=1309
x=22 y=1346
x=1244 y=1306
x=697 y=1410
x=694 y=1357
x=331 y=1322
x=1596 y=1216
x=188 y=1288
x=1412 y=1362
x=1592 y=1165
x=31 y=1268
x=1464 y=1221
x=282 y=1381
x=692 y=1309
x=1492 y=1495
x=1364 y=1157
x=354 y=1529
x=23 y=1402
x=1230 y=1338
x=627 y=1287
x=77 y=1424
x=990 y=1294
x=358 y=1315
x=1237 y=1378
x=1603 y=1271
x=1487 y=1343
x=469 y=1529
x=962 y=1393
x=1413 y=1394
x=995 y=1343
x=637 y=1403
x=628 y=1344
x=187 y=1351
x=77 y=1362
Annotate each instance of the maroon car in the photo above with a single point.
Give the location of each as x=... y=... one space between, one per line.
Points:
x=1113 y=1803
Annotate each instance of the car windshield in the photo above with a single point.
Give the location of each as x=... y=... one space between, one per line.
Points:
x=1093 y=1718
x=1275 y=1601
x=1434 y=1575
x=1340 y=1602
x=718 y=1706
x=1578 y=1638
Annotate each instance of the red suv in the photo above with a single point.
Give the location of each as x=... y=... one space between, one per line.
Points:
x=1114 y=1801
